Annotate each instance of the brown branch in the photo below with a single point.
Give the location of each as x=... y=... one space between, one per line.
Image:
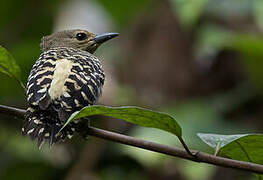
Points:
x=12 y=111
x=169 y=150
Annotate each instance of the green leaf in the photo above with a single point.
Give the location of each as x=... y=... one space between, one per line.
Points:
x=8 y=65
x=214 y=139
x=135 y=115
x=243 y=147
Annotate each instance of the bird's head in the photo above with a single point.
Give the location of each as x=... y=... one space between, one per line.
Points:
x=77 y=39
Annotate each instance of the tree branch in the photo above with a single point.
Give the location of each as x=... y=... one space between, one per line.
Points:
x=169 y=150
x=12 y=111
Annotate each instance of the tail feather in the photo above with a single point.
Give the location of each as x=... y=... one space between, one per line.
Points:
x=40 y=136
x=45 y=126
x=52 y=134
x=35 y=133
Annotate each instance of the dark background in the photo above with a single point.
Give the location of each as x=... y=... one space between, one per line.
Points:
x=199 y=60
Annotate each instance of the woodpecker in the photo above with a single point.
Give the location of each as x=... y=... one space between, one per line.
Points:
x=65 y=78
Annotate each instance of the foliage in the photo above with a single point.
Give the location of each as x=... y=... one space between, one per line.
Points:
x=243 y=147
x=8 y=65
x=135 y=115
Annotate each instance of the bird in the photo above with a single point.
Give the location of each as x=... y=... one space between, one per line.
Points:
x=65 y=78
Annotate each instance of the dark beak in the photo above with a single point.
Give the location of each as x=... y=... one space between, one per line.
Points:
x=101 y=38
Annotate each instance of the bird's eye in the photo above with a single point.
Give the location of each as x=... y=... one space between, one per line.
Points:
x=81 y=36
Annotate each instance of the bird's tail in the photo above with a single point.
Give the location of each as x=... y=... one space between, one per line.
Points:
x=45 y=126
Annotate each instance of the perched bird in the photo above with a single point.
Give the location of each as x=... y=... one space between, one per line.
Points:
x=65 y=78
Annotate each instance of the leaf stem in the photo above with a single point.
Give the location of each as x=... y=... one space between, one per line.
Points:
x=22 y=85
x=186 y=147
x=12 y=76
x=217 y=148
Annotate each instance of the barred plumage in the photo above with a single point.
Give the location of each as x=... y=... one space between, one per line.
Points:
x=63 y=80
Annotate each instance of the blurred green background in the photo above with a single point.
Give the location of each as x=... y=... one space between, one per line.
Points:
x=199 y=60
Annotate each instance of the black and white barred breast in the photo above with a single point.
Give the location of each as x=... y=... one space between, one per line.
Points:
x=62 y=81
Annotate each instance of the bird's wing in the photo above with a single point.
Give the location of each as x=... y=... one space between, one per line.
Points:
x=84 y=83
x=40 y=79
